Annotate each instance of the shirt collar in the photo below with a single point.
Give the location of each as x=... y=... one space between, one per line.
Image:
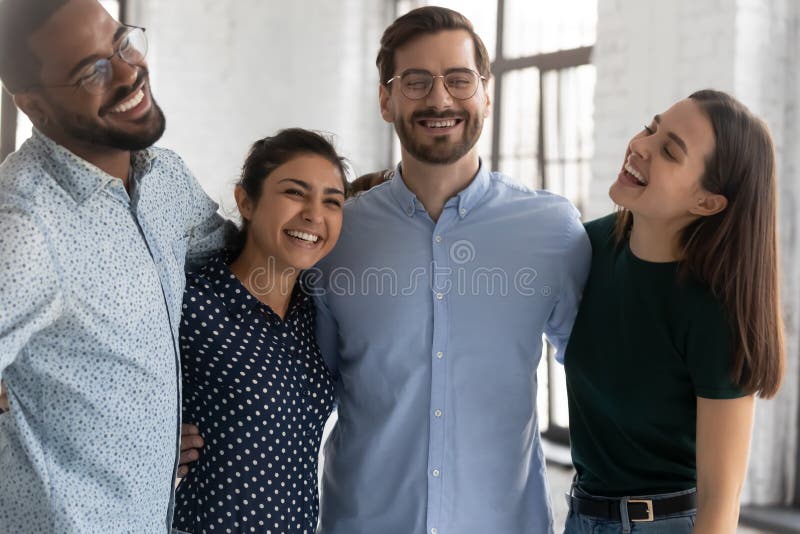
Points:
x=468 y=198
x=402 y=194
x=77 y=176
x=471 y=196
x=238 y=300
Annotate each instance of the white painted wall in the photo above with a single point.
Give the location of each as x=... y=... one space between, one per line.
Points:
x=650 y=54
x=230 y=72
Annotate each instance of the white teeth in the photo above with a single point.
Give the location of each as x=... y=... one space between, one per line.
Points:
x=311 y=238
x=441 y=124
x=129 y=104
x=636 y=174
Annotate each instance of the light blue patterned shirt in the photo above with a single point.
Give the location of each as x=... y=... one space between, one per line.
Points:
x=91 y=284
x=434 y=331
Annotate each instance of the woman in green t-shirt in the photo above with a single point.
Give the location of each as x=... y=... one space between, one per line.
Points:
x=679 y=327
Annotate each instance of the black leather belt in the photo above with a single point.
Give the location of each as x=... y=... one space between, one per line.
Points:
x=638 y=509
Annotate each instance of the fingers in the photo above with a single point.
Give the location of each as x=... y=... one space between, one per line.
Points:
x=191 y=442
x=190 y=437
x=3 y=398
x=188 y=457
x=189 y=429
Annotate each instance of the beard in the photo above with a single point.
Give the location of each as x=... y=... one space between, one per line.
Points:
x=442 y=151
x=152 y=128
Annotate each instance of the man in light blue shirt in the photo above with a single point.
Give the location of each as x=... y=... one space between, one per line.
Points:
x=432 y=308
x=96 y=226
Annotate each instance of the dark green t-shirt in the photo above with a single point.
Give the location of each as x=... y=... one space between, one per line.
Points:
x=644 y=346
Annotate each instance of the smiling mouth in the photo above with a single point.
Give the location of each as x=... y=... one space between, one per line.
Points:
x=130 y=102
x=635 y=174
x=439 y=123
x=304 y=237
x=132 y=99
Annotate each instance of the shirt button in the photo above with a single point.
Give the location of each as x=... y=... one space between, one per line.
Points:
x=438 y=413
x=438 y=239
x=463 y=211
x=436 y=473
x=439 y=296
x=434 y=531
x=440 y=355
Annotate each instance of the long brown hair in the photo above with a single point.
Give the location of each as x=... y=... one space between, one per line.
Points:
x=735 y=252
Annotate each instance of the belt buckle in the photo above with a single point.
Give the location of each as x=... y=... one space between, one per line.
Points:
x=649 y=504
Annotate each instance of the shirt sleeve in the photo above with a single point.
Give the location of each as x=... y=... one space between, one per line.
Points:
x=30 y=296
x=208 y=231
x=709 y=355
x=327 y=333
x=576 y=262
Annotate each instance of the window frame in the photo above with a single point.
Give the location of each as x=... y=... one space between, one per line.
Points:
x=545 y=62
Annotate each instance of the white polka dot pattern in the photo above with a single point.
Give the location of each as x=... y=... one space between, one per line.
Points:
x=258 y=389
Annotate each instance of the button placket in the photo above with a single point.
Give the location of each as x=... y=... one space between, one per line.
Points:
x=440 y=291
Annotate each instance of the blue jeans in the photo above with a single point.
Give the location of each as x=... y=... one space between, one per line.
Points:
x=682 y=523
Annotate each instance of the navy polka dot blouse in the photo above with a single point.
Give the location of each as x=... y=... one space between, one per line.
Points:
x=258 y=389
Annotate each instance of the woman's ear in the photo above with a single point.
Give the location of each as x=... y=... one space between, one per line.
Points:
x=708 y=204
x=243 y=202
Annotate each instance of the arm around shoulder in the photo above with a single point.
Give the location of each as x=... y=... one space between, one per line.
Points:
x=576 y=262
x=208 y=231
x=327 y=331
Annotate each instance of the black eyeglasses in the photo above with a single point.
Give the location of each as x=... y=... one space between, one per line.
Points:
x=97 y=77
x=461 y=84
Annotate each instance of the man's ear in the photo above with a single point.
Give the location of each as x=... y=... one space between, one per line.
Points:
x=32 y=105
x=488 y=87
x=243 y=202
x=708 y=204
x=385 y=99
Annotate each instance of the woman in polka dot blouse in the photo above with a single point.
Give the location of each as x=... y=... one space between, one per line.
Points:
x=253 y=377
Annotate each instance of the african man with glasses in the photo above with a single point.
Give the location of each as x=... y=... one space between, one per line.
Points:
x=96 y=228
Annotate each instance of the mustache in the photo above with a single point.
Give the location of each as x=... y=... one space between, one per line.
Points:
x=434 y=114
x=124 y=92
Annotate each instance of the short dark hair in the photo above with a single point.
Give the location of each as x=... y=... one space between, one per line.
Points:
x=19 y=19
x=269 y=153
x=425 y=21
